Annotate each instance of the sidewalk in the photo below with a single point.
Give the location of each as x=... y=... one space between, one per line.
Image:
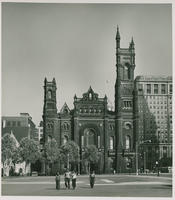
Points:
x=20 y=178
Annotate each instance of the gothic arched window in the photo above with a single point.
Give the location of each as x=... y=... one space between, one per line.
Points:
x=65 y=139
x=82 y=140
x=49 y=94
x=98 y=141
x=127 y=71
x=111 y=142
x=66 y=126
x=49 y=138
x=89 y=137
x=127 y=142
x=90 y=96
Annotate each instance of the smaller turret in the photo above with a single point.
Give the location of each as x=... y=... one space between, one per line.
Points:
x=131 y=46
x=117 y=38
x=45 y=81
x=54 y=81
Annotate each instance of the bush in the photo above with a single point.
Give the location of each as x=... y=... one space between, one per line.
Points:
x=163 y=169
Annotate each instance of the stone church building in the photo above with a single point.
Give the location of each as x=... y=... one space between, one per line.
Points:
x=90 y=122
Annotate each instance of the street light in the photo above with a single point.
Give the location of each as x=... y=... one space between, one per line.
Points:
x=157 y=166
x=68 y=161
x=137 y=158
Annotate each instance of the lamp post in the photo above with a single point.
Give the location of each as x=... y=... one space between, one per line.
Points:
x=157 y=166
x=68 y=161
x=144 y=161
x=136 y=157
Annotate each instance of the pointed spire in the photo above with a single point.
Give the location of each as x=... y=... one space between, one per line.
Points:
x=75 y=97
x=90 y=89
x=132 y=44
x=118 y=34
x=117 y=38
x=132 y=41
x=54 y=80
x=45 y=81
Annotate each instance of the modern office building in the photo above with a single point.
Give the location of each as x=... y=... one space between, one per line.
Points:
x=154 y=106
x=21 y=126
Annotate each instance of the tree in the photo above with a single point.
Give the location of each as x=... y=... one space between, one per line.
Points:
x=16 y=158
x=8 y=149
x=165 y=162
x=90 y=156
x=51 y=152
x=29 y=151
x=70 y=153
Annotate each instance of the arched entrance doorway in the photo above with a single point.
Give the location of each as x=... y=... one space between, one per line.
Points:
x=90 y=143
x=88 y=137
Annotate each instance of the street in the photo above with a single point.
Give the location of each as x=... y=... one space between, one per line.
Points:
x=105 y=185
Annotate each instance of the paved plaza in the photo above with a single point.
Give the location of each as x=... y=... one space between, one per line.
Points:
x=105 y=185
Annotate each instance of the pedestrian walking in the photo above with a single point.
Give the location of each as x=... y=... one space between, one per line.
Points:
x=57 y=180
x=74 y=177
x=67 y=179
x=92 y=179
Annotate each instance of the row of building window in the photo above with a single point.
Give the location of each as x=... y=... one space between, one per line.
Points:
x=65 y=126
x=158 y=102
x=156 y=88
x=111 y=127
x=157 y=150
x=90 y=110
x=13 y=123
x=127 y=104
x=141 y=103
x=157 y=97
x=161 y=107
x=49 y=125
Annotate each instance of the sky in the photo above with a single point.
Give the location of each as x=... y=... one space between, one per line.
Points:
x=75 y=43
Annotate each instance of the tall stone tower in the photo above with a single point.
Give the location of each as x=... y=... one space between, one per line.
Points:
x=124 y=102
x=49 y=109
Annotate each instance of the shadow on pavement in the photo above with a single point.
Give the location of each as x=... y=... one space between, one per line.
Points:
x=86 y=187
x=163 y=187
x=56 y=189
x=168 y=185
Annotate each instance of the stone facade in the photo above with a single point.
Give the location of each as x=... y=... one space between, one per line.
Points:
x=116 y=134
x=124 y=107
x=90 y=122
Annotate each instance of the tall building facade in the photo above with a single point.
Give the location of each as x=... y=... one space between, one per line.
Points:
x=18 y=127
x=124 y=106
x=154 y=106
x=21 y=126
x=89 y=123
x=116 y=134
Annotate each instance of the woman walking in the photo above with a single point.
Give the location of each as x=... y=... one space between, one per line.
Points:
x=92 y=179
x=57 y=179
x=74 y=177
x=67 y=179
